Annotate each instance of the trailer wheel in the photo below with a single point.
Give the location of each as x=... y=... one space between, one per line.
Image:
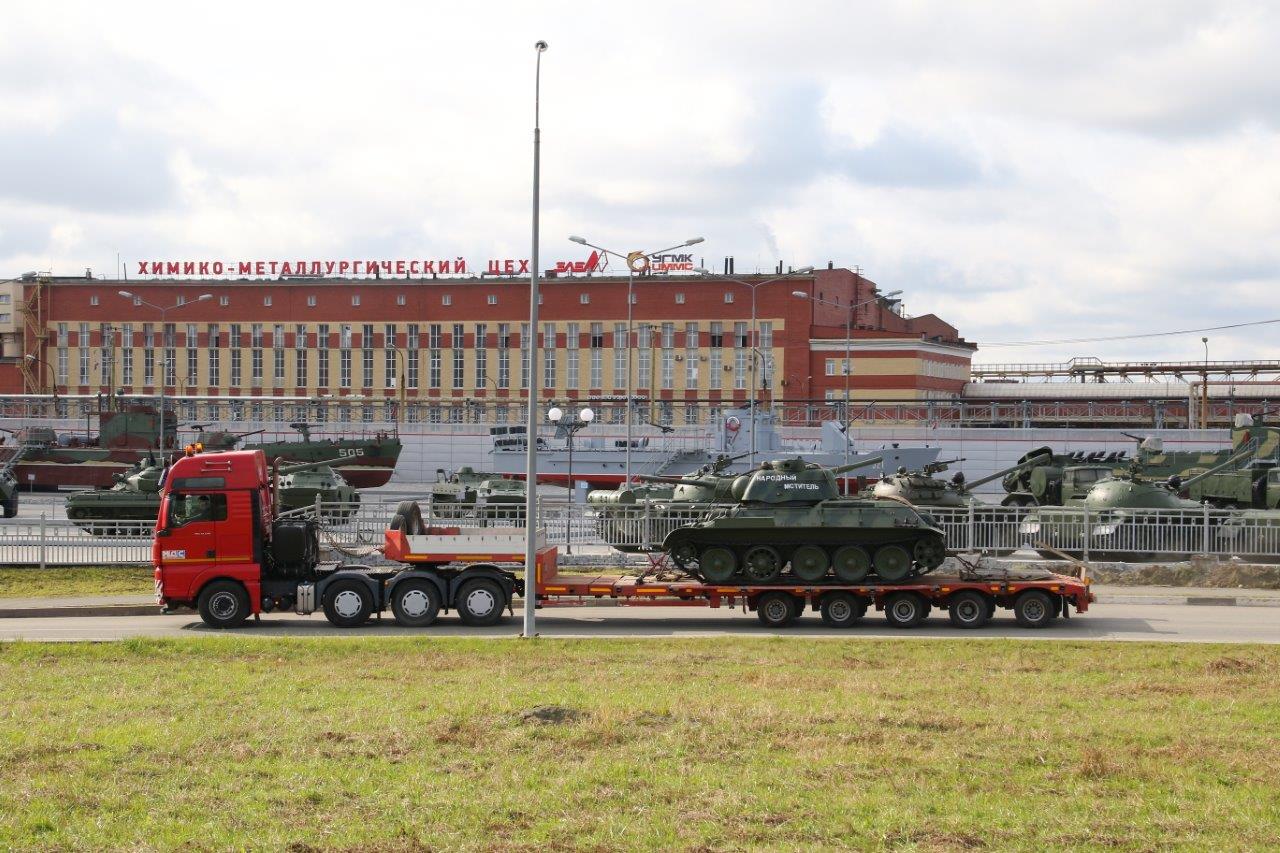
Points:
x=776 y=609
x=842 y=609
x=1034 y=609
x=905 y=609
x=480 y=602
x=223 y=604
x=348 y=604
x=969 y=608
x=415 y=603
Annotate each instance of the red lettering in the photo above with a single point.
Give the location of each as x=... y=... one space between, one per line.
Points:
x=157 y=267
x=204 y=268
x=494 y=268
x=142 y=267
x=509 y=267
x=429 y=267
x=524 y=266
x=172 y=268
x=329 y=267
x=244 y=268
x=286 y=268
x=400 y=268
x=344 y=267
x=274 y=264
x=259 y=268
x=188 y=268
x=413 y=267
x=217 y=267
x=386 y=267
x=459 y=265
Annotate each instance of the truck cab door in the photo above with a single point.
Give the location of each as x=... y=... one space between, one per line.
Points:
x=191 y=528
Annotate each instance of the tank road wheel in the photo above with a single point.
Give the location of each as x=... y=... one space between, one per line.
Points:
x=762 y=564
x=968 y=608
x=348 y=604
x=905 y=609
x=1034 y=609
x=415 y=603
x=809 y=563
x=717 y=564
x=929 y=554
x=223 y=604
x=684 y=555
x=892 y=563
x=480 y=602
x=777 y=609
x=852 y=563
x=842 y=609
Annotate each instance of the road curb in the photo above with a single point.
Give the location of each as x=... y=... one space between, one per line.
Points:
x=80 y=610
x=1192 y=600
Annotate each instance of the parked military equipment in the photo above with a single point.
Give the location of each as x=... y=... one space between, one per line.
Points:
x=1256 y=486
x=790 y=515
x=363 y=462
x=8 y=494
x=305 y=484
x=456 y=492
x=1043 y=478
x=220 y=439
x=923 y=489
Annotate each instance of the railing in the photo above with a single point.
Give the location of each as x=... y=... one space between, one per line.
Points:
x=355 y=531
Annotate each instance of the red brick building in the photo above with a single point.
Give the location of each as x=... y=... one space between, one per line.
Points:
x=458 y=341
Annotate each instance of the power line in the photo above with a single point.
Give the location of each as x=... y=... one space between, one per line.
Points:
x=986 y=345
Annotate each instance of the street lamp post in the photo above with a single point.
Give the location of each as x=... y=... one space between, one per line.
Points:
x=584 y=417
x=164 y=366
x=1204 y=388
x=529 y=629
x=636 y=262
x=848 y=346
x=755 y=337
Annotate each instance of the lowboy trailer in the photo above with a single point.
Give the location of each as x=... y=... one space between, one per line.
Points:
x=220 y=548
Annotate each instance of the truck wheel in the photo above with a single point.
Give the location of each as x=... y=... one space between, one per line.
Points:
x=480 y=602
x=851 y=563
x=223 y=604
x=968 y=608
x=348 y=604
x=905 y=609
x=842 y=609
x=415 y=603
x=1034 y=609
x=776 y=609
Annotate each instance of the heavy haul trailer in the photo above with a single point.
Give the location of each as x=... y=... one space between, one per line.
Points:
x=258 y=563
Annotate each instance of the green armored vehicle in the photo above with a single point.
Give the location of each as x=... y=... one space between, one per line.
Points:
x=302 y=485
x=454 y=495
x=790 y=524
x=501 y=500
x=134 y=498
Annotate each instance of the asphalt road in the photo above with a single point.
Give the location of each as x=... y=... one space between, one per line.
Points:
x=1116 y=621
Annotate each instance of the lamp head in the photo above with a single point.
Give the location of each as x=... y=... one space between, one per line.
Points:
x=891 y=294
x=540 y=45
x=555 y=414
x=579 y=240
x=126 y=294
x=586 y=416
x=202 y=297
x=799 y=294
x=693 y=241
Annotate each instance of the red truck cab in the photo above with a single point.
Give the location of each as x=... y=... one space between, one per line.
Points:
x=215 y=511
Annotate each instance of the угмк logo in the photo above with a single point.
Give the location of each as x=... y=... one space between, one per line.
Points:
x=671 y=263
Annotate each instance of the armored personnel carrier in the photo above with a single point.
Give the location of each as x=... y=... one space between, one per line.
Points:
x=791 y=524
x=303 y=485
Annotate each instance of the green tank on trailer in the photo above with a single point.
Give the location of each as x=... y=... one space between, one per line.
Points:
x=790 y=524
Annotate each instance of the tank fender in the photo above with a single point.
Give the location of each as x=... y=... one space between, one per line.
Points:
x=344 y=572
x=438 y=582
x=482 y=570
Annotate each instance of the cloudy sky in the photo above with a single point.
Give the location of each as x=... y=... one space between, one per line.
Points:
x=1030 y=172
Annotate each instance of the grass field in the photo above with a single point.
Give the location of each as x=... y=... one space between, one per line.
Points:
x=658 y=744
x=28 y=582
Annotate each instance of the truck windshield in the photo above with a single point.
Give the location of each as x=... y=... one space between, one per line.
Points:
x=185 y=509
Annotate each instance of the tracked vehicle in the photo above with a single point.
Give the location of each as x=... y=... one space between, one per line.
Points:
x=790 y=524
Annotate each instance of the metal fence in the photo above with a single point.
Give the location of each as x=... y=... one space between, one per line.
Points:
x=355 y=531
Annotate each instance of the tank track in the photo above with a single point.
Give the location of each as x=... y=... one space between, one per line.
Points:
x=850 y=563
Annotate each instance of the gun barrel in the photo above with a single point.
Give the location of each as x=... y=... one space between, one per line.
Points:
x=1004 y=472
x=853 y=466
x=251 y=432
x=1230 y=462
x=302 y=466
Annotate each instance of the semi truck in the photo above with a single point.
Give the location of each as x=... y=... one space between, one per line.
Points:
x=221 y=546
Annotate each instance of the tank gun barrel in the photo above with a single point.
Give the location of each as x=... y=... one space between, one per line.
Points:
x=853 y=466
x=249 y=433
x=941 y=465
x=1033 y=462
x=303 y=466
x=1232 y=461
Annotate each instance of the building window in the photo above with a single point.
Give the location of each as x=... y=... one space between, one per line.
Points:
x=524 y=355
x=322 y=356
x=492 y=299
x=679 y=298
x=584 y=298
x=126 y=355
x=366 y=356
x=93 y=300
x=644 y=347
x=504 y=355
x=728 y=297
x=690 y=357
x=446 y=299
x=549 y=355
x=459 y=360
x=84 y=353
x=311 y=300
x=193 y=356
x=619 y=354
x=277 y=352
x=433 y=355
x=766 y=354
x=597 y=355
x=482 y=355
x=224 y=301
x=668 y=355
x=300 y=356
x=266 y=301
x=400 y=299
x=355 y=299
x=215 y=365
x=572 y=356
x=344 y=356
x=739 y=356
x=411 y=357
x=255 y=341
x=715 y=361
x=389 y=354
x=236 y=356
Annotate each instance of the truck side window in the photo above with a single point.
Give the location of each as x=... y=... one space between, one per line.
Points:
x=185 y=509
